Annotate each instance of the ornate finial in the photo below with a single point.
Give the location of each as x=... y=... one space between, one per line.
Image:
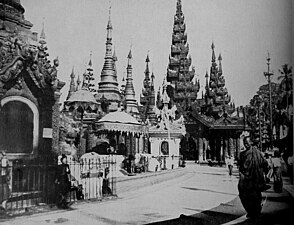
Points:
x=220 y=69
x=90 y=61
x=213 y=54
x=42 y=35
x=179 y=6
x=130 y=54
x=152 y=76
x=147 y=58
x=212 y=46
x=220 y=57
x=109 y=25
x=129 y=57
x=206 y=75
x=72 y=75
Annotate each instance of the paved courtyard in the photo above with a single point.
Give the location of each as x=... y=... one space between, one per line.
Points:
x=199 y=188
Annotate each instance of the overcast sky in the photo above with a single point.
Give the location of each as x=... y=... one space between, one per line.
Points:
x=242 y=30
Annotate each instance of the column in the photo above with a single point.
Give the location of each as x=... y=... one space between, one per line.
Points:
x=200 y=147
x=128 y=144
x=204 y=148
x=133 y=144
x=231 y=147
x=238 y=144
x=213 y=150
x=235 y=147
x=219 y=148
x=226 y=145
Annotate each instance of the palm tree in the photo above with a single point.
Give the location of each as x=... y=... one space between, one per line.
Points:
x=286 y=85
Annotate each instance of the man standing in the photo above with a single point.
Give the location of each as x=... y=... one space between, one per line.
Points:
x=62 y=182
x=251 y=183
x=230 y=164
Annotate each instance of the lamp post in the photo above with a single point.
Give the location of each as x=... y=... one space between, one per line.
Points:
x=268 y=75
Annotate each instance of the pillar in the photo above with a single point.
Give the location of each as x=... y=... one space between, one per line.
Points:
x=133 y=141
x=204 y=149
x=238 y=144
x=235 y=147
x=231 y=147
x=226 y=149
x=128 y=144
x=212 y=148
x=200 y=147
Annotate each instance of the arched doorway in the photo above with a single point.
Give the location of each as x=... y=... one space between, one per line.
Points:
x=19 y=125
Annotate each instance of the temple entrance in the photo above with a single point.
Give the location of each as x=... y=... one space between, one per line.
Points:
x=188 y=149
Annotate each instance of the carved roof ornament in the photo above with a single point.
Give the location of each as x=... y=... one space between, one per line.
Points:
x=16 y=55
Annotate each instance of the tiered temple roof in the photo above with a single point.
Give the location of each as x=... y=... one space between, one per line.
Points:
x=108 y=86
x=183 y=91
x=147 y=98
x=217 y=100
x=88 y=77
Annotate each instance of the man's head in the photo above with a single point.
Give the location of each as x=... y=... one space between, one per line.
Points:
x=247 y=142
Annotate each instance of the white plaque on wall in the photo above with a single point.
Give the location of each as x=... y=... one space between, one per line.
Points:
x=47 y=132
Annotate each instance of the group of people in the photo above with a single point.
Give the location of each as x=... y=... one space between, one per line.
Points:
x=256 y=170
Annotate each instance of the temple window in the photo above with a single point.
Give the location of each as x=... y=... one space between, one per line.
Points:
x=164 y=148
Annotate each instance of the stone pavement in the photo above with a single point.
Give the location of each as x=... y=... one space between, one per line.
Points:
x=278 y=208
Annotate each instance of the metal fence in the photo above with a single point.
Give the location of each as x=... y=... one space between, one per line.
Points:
x=25 y=184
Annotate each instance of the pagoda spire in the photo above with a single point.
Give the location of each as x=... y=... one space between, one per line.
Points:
x=42 y=40
x=180 y=72
x=206 y=78
x=72 y=87
x=179 y=7
x=146 y=82
x=131 y=103
x=123 y=86
x=220 y=69
x=109 y=25
x=152 y=81
x=90 y=75
x=78 y=83
x=218 y=99
x=213 y=54
x=108 y=86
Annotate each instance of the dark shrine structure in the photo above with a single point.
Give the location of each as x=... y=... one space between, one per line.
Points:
x=213 y=124
x=29 y=88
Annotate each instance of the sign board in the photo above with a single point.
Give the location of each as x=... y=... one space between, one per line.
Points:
x=47 y=132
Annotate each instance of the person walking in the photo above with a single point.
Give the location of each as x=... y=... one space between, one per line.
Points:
x=62 y=182
x=277 y=161
x=230 y=164
x=251 y=182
